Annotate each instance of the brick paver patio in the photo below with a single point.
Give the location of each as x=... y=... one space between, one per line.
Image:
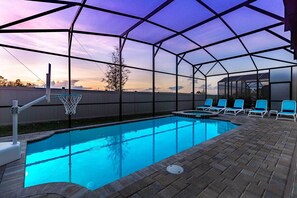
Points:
x=257 y=159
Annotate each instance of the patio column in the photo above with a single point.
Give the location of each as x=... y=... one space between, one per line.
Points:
x=69 y=70
x=154 y=80
x=205 y=95
x=193 y=89
x=228 y=82
x=121 y=77
x=257 y=84
x=176 y=83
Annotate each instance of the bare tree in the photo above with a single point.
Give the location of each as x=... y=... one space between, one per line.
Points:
x=112 y=76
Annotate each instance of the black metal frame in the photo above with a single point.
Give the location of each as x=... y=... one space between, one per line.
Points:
x=157 y=45
x=290 y=82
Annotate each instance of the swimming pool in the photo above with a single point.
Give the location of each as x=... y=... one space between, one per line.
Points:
x=98 y=156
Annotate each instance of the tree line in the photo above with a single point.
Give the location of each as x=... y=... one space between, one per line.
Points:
x=17 y=83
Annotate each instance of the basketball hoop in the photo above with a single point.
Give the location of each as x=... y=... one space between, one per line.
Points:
x=70 y=102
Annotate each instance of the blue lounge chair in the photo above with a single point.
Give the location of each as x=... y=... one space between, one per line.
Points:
x=220 y=107
x=288 y=110
x=236 y=109
x=207 y=104
x=260 y=109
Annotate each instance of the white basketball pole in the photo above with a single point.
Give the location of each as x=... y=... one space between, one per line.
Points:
x=48 y=83
x=30 y=104
x=16 y=109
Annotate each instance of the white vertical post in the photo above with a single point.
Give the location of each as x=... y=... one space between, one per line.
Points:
x=48 y=83
x=14 y=121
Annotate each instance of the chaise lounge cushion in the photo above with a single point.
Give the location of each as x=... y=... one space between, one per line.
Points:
x=260 y=109
x=288 y=111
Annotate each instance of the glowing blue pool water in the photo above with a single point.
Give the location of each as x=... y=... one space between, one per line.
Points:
x=95 y=157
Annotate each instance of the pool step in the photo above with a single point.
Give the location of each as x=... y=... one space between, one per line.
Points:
x=185 y=115
x=191 y=114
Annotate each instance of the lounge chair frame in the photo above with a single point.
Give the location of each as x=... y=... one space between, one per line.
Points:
x=278 y=116
x=234 y=110
x=287 y=114
x=219 y=108
x=257 y=112
x=205 y=107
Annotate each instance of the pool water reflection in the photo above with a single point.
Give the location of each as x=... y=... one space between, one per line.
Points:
x=97 y=156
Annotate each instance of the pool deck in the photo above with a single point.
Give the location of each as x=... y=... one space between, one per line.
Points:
x=257 y=159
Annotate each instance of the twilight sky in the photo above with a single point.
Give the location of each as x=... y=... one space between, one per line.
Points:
x=88 y=75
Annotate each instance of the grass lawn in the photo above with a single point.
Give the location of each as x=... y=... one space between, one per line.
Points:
x=54 y=125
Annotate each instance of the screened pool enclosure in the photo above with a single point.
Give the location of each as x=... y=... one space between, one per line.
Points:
x=176 y=53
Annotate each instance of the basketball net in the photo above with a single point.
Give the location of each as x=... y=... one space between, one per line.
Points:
x=70 y=102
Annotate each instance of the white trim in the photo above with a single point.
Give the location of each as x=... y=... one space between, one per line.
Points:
x=235 y=111
x=282 y=118
x=215 y=109
x=262 y=114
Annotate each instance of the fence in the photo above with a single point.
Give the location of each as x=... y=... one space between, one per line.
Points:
x=94 y=104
